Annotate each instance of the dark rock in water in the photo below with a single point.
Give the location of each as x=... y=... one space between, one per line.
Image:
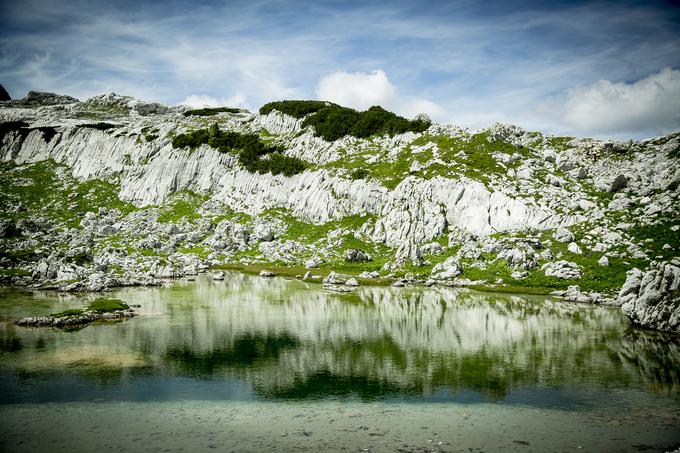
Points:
x=4 y=95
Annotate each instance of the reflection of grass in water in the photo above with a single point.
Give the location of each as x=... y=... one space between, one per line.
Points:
x=82 y=357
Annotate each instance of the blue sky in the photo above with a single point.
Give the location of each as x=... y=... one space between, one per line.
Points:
x=609 y=69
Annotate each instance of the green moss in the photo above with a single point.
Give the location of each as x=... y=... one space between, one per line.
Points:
x=106 y=305
x=68 y=313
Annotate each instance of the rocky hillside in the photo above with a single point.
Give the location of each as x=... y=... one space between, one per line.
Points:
x=114 y=191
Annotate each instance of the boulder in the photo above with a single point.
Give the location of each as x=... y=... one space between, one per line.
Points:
x=562 y=269
x=519 y=258
x=563 y=235
x=313 y=263
x=448 y=269
x=611 y=184
x=604 y=261
x=574 y=248
x=267 y=274
x=652 y=299
x=333 y=279
x=367 y=274
x=352 y=282
x=356 y=256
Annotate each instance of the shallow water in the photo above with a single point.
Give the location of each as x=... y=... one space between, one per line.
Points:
x=252 y=364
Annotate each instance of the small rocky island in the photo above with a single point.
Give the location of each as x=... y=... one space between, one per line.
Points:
x=100 y=309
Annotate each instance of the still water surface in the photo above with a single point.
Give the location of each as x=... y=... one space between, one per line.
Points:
x=252 y=364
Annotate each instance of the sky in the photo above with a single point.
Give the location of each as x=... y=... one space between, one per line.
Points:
x=602 y=69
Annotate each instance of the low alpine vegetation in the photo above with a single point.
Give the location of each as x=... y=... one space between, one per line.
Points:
x=211 y=111
x=296 y=109
x=253 y=154
x=332 y=121
x=99 y=126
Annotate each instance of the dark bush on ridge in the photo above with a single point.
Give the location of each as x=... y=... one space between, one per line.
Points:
x=332 y=121
x=249 y=148
x=99 y=126
x=296 y=109
x=210 y=111
x=359 y=173
x=335 y=122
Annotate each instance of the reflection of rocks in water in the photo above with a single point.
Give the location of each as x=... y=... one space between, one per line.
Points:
x=654 y=357
x=323 y=383
x=291 y=339
x=246 y=351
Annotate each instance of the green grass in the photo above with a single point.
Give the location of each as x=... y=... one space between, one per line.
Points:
x=106 y=305
x=99 y=305
x=182 y=205
x=470 y=156
x=68 y=313
x=47 y=188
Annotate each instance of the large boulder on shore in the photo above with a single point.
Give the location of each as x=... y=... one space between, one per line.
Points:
x=652 y=299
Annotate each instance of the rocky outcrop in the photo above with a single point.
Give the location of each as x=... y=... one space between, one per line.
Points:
x=4 y=95
x=41 y=99
x=652 y=299
x=562 y=269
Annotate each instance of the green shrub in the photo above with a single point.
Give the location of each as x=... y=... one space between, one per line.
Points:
x=296 y=109
x=359 y=173
x=99 y=126
x=211 y=111
x=334 y=122
x=249 y=148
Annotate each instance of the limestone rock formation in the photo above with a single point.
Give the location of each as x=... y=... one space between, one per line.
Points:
x=652 y=298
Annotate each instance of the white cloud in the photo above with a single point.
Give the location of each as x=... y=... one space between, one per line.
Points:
x=358 y=90
x=361 y=90
x=648 y=106
x=202 y=100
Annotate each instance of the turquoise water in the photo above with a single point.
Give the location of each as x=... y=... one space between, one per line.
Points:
x=252 y=364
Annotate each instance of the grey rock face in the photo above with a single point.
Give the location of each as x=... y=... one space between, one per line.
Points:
x=652 y=299
x=39 y=99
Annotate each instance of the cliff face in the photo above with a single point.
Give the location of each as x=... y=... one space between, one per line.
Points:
x=491 y=203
